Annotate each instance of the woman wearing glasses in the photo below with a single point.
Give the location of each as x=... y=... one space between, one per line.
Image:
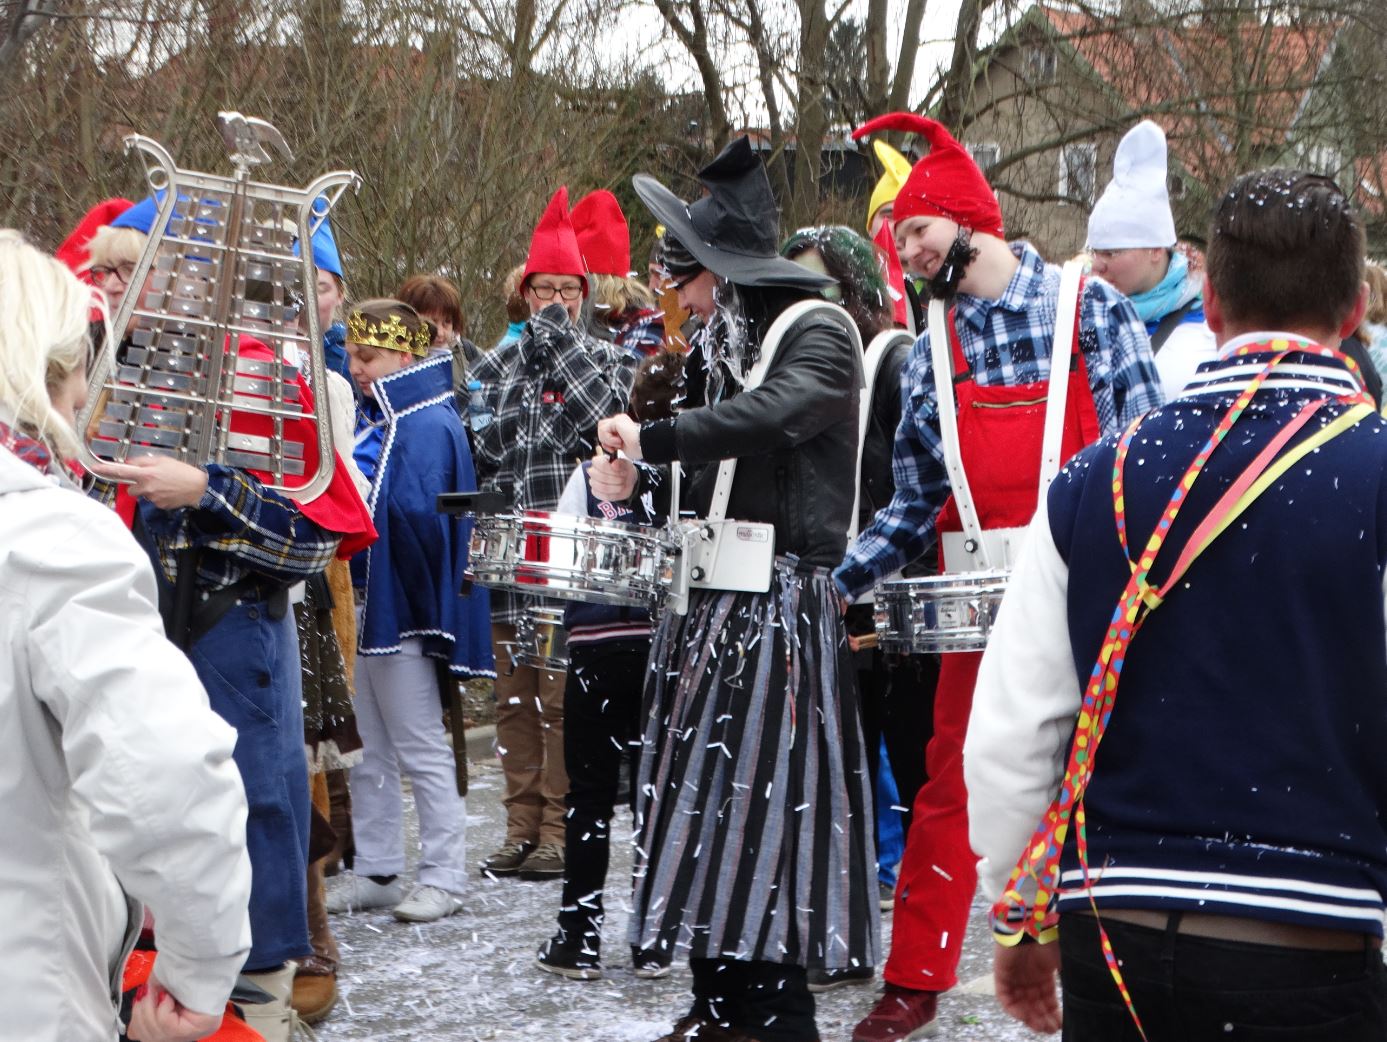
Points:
x=546 y=392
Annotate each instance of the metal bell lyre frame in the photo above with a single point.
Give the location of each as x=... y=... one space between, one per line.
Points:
x=181 y=377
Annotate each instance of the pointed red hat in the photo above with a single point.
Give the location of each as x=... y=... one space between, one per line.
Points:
x=554 y=245
x=945 y=183
x=73 y=251
x=603 y=235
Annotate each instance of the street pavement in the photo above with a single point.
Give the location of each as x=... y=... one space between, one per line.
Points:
x=472 y=977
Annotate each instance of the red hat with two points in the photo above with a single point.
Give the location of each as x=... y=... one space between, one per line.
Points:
x=554 y=245
x=603 y=235
x=945 y=183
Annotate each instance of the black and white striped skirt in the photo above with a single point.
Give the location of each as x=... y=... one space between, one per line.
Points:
x=754 y=816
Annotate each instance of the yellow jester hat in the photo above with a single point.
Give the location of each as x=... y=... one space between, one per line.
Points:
x=897 y=169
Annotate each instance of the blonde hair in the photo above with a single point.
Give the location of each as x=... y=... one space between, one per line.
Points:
x=615 y=295
x=44 y=336
x=1376 y=279
x=112 y=247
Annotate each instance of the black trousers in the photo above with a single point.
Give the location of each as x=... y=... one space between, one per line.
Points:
x=896 y=693
x=769 y=1001
x=1197 y=989
x=601 y=707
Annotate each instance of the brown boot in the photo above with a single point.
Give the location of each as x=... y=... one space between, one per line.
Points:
x=315 y=989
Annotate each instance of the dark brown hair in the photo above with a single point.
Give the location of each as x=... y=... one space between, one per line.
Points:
x=434 y=295
x=659 y=381
x=1285 y=249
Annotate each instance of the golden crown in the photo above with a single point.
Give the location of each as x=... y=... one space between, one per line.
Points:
x=389 y=333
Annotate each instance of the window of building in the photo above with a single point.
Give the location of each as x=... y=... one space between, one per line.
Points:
x=1078 y=173
x=985 y=154
x=1040 y=62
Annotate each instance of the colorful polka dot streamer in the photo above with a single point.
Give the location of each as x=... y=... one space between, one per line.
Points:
x=1040 y=862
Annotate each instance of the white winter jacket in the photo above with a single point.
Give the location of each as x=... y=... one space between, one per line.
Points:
x=117 y=787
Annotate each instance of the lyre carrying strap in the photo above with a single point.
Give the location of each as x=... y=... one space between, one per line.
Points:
x=1066 y=317
x=881 y=345
x=727 y=469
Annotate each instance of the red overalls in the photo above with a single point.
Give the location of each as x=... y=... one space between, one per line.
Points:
x=1000 y=431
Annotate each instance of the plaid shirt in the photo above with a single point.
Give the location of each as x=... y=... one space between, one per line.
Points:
x=546 y=392
x=1005 y=342
x=243 y=529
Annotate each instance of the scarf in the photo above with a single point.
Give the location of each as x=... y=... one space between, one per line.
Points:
x=31 y=450
x=1173 y=292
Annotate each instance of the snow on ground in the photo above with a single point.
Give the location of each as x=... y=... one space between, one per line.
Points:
x=472 y=977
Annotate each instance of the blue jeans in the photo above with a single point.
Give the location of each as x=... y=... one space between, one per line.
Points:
x=249 y=664
x=1198 y=989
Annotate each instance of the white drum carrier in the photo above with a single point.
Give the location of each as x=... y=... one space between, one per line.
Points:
x=955 y=611
x=545 y=554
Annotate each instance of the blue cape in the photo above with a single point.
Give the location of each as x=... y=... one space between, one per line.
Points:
x=413 y=571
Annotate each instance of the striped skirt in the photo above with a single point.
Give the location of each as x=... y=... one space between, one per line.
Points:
x=754 y=816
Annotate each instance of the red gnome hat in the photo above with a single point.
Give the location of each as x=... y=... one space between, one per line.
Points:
x=554 y=245
x=73 y=251
x=945 y=183
x=603 y=234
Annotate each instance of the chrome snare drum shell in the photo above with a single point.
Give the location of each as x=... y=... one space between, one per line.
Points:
x=541 y=642
x=572 y=558
x=939 y=613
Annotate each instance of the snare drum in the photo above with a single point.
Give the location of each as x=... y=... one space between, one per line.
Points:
x=939 y=613
x=571 y=558
x=541 y=641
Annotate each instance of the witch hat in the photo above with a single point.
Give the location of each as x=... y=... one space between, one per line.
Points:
x=733 y=230
x=554 y=245
x=603 y=234
x=945 y=183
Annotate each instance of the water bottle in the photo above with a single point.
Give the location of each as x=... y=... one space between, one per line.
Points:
x=478 y=412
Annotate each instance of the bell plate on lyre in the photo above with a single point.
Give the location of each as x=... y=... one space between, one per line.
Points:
x=939 y=613
x=219 y=318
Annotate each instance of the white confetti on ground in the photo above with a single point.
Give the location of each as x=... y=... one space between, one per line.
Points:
x=472 y=978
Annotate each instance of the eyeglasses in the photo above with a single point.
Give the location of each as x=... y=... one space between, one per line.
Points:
x=544 y=291
x=125 y=272
x=678 y=284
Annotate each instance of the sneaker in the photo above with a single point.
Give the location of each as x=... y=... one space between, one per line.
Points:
x=648 y=964
x=354 y=893
x=570 y=961
x=900 y=1015
x=507 y=858
x=427 y=904
x=827 y=980
x=886 y=897
x=545 y=863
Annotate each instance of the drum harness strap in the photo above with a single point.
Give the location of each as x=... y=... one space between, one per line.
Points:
x=727 y=469
x=1066 y=319
x=1040 y=862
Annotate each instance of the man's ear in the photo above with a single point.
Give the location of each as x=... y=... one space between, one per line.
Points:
x=1213 y=309
x=1355 y=318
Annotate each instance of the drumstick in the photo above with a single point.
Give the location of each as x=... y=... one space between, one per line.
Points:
x=863 y=643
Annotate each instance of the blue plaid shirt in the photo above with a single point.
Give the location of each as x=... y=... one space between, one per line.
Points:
x=1005 y=342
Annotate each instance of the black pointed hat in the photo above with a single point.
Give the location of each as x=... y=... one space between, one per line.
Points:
x=733 y=230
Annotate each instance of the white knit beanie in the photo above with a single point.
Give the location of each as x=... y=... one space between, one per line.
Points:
x=1134 y=210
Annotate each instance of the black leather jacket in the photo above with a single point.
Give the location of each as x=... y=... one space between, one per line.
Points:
x=794 y=438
